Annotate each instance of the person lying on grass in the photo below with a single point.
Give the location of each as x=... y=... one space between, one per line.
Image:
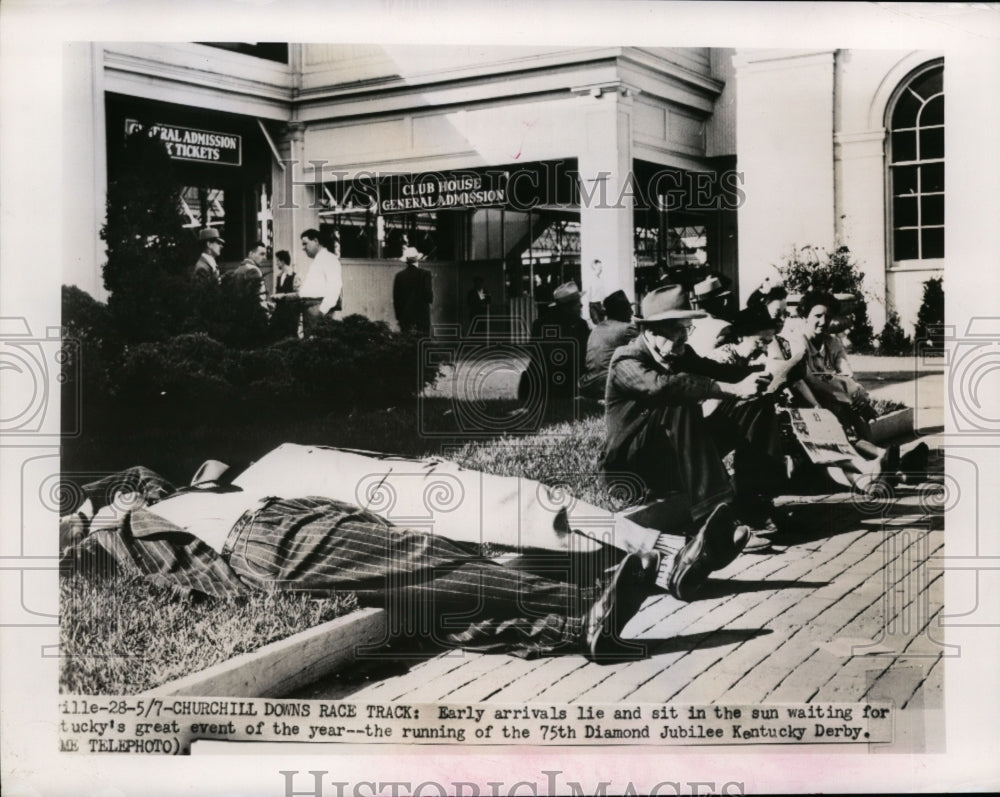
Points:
x=442 y=589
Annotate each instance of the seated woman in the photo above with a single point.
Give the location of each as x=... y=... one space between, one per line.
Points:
x=828 y=381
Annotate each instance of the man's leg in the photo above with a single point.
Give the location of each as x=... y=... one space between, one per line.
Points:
x=430 y=586
x=688 y=458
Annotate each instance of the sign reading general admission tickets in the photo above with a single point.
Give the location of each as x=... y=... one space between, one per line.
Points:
x=189 y=144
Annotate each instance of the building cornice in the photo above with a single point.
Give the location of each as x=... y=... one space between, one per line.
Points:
x=188 y=68
x=500 y=90
x=678 y=74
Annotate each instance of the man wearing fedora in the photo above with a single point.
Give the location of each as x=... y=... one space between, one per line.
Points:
x=412 y=294
x=713 y=298
x=564 y=327
x=656 y=432
x=206 y=270
x=615 y=330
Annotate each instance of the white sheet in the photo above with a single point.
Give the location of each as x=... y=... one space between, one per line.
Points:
x=442 y=498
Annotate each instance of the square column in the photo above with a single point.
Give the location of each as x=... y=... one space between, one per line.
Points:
x=860 y=175
x=85 y=169
x=294 y=205
x=784 y=141
x=607 y=190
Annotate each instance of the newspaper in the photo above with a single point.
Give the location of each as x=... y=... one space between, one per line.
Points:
x=821 y=435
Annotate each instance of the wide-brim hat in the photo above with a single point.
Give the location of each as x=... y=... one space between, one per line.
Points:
x=210 y=234
x=667 y=303
x=567 y=292
x=411 y=255
x=710 y=288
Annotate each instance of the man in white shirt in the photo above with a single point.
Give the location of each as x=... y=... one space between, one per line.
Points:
x=322 y=287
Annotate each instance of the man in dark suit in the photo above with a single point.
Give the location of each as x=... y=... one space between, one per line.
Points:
x=206 y=270
x=412 y=294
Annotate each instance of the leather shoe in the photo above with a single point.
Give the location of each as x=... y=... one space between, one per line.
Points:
x=915 y=459
x=887 y=464
x=717 y=543
x=618 y=604
x=724 y=539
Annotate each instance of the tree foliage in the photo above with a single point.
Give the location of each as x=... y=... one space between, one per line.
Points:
x=812 y=268
x=930 y=316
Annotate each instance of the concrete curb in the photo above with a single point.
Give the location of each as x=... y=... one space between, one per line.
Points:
x=283 y=666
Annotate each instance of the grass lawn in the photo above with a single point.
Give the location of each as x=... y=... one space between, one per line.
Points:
x=123 y=636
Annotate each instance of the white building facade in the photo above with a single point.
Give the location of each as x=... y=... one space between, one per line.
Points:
x=527 y=166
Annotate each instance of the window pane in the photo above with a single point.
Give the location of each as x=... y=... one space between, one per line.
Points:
x=904 y=147
x=932 y=209
x=905 y=247
x=933 y=242
x=932 y=143
x=906 y=111
x=933 y=112
x=916 y=168
x=904 y=180
x=929 y=84
x=932 y=178
x=904 y=212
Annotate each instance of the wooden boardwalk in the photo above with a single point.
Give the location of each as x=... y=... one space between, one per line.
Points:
x=847 y=610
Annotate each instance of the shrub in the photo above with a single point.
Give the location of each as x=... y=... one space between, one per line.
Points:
x=91 y=346
x=351 y=363
x=147 y=268
x=930 y=316
x=893 y=340
x=808 y=269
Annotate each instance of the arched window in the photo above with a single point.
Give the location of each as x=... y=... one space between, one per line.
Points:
x=916 y=167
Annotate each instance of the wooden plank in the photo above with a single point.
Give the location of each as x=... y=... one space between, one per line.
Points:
x=514 y=672
x=473 y=682
x=533 y=682
x=429 y=685
x=288 y=664
x=397 y=686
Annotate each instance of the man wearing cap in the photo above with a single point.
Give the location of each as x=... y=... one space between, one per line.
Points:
x=562 y=326
x=322 y=287
x=656 y=432
x=412 y=294
x=206 y=270
x=713 y=299
x=614 y=331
